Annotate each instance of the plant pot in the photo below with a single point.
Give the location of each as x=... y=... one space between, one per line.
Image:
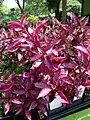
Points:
x=87 y=94
x=35 y=114
x=74 y=103
x=67 y=111
x=19 y=117
x=57 y=110
x=12 y=116
x=6 y=118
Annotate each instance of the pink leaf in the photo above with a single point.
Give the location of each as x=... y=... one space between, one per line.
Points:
x=70 y=65
x=66 y=79
x=19 y=111
x=33 y=105
x=15 y=24
x=19 y=92
x=64 y=28
x=63 y=97
x=35 y=57
x=39 y=26
x=44 y=92
x=10 y=78
x=2 y=100
x=36 y=64
x=87 y=83
x=14 y=45
x=55 y=52
x=41 y=85
x=83 y=49
x=16 y=101
x=42 y=109
x=58 y=59
x=6 y=87
x=23 y=18
x=48 y=63
x=27 y=113
x=19 y=56
x=84 y=20
x=42 y=101
x=6 y=108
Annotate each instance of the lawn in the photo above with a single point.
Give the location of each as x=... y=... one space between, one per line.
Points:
x=82 y=115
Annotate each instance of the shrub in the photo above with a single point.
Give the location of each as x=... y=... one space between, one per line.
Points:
x=53 y=58
x=32 y=18
x=74 y=6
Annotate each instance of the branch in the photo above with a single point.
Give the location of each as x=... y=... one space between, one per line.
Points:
x=23 y=4
x=18 y=3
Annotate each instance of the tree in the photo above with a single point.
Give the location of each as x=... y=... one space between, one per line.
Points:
x=37 y=7
x=19 y=5
x=52 y=4
x=1 y=3
x=24 y=4
x=3 y=9
x=74 y=6
x=64 y=7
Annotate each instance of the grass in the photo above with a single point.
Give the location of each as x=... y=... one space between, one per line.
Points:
x=82 y=115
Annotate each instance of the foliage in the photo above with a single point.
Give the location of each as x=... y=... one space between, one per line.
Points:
x=74 y=6
x=52 y=58
x=32 y=18
x=3 y=8
x=52 y=3
x=37 y=7
x=19 y=5
x=10 y=15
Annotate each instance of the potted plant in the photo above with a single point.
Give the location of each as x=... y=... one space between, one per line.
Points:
x=41 y=63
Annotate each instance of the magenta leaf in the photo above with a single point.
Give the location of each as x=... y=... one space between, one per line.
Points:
x=44 y=92
x=66 y=79
x=14 y=45
x=48 y=63
x=41 y=85
x=11 y=77
x=6 y=87
x=42 y=109
x=42 y=101
x=16 y=101
x=64 y=99
x=58 y=59
x=87 y=83
x=74 y=18
x=85 y=21
x=70 y=65
x=19 y=111
x=27 y=113
x=2 y=100
x=35 y=57
x=39 y=26
x=23 y=18
x=19 y=92
x=15 y=24
x=83 y=49
x=64 y=28
x=19 y=56
x=54 y=58
x=36 y=64
x=33 y=105
x=6 y=108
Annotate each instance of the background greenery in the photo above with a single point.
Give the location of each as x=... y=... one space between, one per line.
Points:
x=39 y=8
